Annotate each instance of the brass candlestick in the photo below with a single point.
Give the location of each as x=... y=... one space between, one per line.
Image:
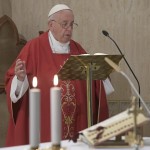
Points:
x=33 y=148
x=133 y=138
x=53 y=147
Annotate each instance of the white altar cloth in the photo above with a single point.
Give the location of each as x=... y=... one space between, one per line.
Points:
x=69 y=145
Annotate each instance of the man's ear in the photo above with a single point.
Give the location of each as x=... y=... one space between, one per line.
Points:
x=50 y=24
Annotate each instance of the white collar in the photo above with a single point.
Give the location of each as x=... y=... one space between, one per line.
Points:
x=56 y=46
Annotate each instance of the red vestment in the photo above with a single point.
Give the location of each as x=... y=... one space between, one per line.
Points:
x=42 y=63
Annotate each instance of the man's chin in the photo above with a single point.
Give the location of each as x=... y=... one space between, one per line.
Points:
x=66 y=40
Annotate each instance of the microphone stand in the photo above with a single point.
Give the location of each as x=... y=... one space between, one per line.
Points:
x=139 y=89
x=118 y=69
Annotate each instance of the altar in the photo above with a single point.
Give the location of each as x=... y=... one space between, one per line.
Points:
x=69 y=145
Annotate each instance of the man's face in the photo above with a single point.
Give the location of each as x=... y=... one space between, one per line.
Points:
x=62 y=26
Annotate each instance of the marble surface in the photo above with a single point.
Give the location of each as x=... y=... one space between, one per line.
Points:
x=80 y=146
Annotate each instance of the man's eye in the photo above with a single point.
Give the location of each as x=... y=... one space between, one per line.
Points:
x=64 y=24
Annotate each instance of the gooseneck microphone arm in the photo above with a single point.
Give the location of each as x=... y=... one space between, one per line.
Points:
x=139 y=89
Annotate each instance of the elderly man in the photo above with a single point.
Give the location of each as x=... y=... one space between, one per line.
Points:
x=43 y=57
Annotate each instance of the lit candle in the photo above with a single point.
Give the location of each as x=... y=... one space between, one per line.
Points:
x=55 y=99
x=34 y=114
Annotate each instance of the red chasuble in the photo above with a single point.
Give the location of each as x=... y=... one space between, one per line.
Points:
x=42 y=63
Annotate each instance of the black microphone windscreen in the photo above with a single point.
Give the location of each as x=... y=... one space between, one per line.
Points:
x=105 y=33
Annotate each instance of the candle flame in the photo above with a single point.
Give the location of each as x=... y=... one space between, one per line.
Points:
x=55 y=81
x=34 y=82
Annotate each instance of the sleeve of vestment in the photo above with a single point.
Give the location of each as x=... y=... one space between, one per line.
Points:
x=19 y=87
x=27 y=54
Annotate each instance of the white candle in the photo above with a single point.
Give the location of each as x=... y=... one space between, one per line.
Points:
x=34 y=115
x=55 y=100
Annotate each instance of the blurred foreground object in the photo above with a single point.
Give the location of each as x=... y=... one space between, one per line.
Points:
x=10 y=45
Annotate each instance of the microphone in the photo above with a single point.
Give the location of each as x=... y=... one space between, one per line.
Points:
x=139 y=89
x=105 y=33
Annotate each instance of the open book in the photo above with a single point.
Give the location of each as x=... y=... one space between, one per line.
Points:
x=116 y=125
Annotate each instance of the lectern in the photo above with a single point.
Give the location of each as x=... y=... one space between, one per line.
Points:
x=87 y=67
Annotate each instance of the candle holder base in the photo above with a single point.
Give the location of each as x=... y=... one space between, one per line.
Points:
x=53 y=147
x=33 y=148
x=56 y=147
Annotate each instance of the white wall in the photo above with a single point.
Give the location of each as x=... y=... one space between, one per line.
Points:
x=126 y=20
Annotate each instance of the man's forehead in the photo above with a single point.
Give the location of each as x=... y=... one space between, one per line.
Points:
x=64 y=15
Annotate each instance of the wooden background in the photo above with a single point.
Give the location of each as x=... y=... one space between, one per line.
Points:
x=127 y=21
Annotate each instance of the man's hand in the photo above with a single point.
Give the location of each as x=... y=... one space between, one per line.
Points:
x=20 y=70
